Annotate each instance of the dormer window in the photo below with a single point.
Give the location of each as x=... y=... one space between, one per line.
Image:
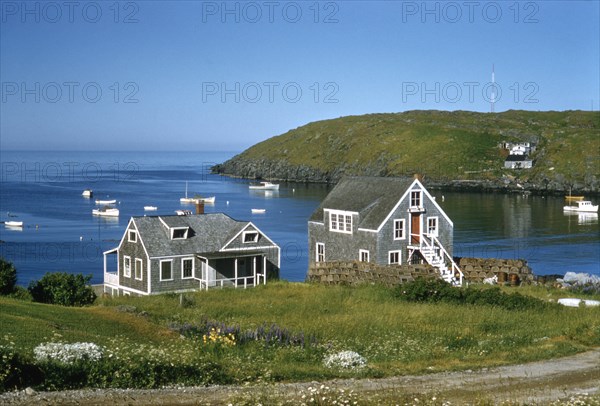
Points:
x=179 y=233
x=340 y=221
x=250 y=236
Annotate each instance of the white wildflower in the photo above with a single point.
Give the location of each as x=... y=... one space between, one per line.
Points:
x=345 y=359
x=67 y=353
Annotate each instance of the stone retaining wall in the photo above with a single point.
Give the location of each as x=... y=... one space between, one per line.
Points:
x=513 y=271
x=510 y=271
x=355 y=273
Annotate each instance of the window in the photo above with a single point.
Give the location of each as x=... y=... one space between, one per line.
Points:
x=394 y=257
x=132 y=237
x=340 y=222
x=179 y=233
x=166 y=270
x=250 y=236
x=363 y=255
x=139 y=268
x=187 y=268
x=320 y=252
x=415 y=198
x=127 y=267
x=432 y=226
x=399 y=229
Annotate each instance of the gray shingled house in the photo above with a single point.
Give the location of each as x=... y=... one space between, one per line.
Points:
x=159 y=254
x=384 y=221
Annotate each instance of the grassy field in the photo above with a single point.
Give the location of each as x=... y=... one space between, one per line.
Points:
x=441 y=145
x=395 y=337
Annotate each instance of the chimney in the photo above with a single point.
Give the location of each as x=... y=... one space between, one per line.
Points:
x=200 y=207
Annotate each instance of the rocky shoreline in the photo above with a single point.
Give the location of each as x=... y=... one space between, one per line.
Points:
x=281 y=171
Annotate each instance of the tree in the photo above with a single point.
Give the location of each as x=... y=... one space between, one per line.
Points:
x=8 y=277
x=63 y=289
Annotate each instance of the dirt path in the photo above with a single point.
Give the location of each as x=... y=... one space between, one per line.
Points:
x=538 y=383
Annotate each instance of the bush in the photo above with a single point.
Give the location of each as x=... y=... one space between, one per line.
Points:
x=63 y=289
x=434 y=291
x=8 y=277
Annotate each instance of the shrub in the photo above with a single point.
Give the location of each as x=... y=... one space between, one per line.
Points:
x=434 y=291
x=8 y=277
x=63 y=289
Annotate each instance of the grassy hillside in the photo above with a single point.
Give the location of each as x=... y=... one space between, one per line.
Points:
x=443 y=146
x=394 y=337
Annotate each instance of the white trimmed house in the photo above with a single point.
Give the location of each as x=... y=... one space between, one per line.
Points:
x=160 y=254
x=383 y=221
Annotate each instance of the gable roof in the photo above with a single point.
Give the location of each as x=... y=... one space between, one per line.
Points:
x=209 y=233
x=373 y=198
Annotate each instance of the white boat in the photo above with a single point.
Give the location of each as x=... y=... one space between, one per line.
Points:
x=150 y=208
x=584 y=206
x=87 y=193
x=106 y=201
x=106 y=212
x=258 y=211
x=13 y=223
x=196 y=199
x=265 y=186
x=183 y=212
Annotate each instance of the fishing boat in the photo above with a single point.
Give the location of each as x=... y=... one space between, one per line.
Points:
x=583 y=206
x=13 y=223
x=258 y=211
x=106 y=211
x=113 y=201
x=150 y=208
x=264 y=186
x=87 y=193
x=197 y=198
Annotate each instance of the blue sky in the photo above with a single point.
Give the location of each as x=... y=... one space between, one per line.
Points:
x=214 y=75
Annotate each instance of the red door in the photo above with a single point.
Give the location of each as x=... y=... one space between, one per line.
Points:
x=415 y=228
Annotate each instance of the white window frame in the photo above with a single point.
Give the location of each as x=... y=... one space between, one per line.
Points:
x=183 y=268
x=139 y=270
x=402 y=229
x=185 y=234
x=160 y=269
x=132 y=233
x=436 y=229
x=419 y=196
x=249 y=233
x=399 y=253
x=320 y=256
x=127 y=266
x=340 y=221
x=366 y=253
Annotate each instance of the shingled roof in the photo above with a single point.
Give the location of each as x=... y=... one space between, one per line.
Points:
x=208 y=233
x=372 y=197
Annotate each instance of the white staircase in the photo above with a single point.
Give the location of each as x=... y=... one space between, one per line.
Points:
x=435 y=255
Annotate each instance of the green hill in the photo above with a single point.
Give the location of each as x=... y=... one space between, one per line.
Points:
x=447 y=148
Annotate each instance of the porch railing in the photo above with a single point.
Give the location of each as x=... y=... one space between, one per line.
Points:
x=111 y=278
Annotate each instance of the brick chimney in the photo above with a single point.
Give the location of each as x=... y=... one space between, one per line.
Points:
x=200 y=207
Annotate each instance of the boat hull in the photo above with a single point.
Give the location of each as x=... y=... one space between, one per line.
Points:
x=106 y=201
x=150 y=208
x=13 y=223
x=575 y=209
x=106 y=213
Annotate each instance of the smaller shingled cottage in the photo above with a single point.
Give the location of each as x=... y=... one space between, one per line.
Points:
x=384 y=221
x=159 y=254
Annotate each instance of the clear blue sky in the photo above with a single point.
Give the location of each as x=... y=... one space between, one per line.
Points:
x=204 y=75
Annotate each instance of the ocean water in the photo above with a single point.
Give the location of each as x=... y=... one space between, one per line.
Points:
x=43 y=189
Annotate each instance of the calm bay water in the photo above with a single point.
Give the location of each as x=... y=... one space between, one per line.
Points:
x=43 y=189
